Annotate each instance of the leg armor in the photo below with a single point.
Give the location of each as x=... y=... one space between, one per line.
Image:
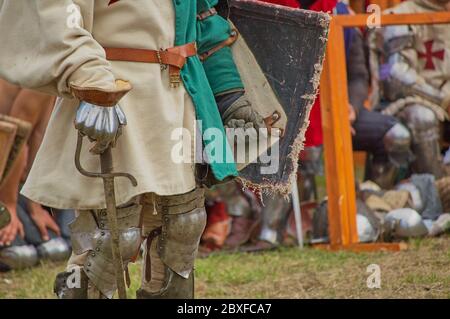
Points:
x=274 y=218
x=18 y=257
x=404 y=223
x=424 y=127
x=274 y=215
x=245 y=208
x=56 y=249
x=384 y=174
x=91 y=242
x=238 y=205
x=173 y=226
x=397 y=144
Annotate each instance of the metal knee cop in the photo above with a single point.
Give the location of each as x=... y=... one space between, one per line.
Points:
x=424 y=127
x=183 y=222
x=397 y=143
x=90 y=234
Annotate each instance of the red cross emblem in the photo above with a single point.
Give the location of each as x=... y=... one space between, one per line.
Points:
x=430 y=54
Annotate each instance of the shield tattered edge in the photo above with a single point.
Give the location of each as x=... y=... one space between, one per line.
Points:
x=289 y=47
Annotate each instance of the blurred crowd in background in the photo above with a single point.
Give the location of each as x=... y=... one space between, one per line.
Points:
x=32 y=232
x=402 y=185
x=399 y=137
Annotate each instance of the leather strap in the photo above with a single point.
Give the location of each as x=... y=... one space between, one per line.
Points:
x=127 y=276
x=206 y=14
x=271 y=120
x=148 y=262
x=185 y=51
x=179 y=204
x=228 y=42
x=174 y=57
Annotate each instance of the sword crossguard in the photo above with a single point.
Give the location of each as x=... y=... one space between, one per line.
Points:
x=97 y=175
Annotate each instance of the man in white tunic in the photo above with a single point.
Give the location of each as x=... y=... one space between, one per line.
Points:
x=133 y=62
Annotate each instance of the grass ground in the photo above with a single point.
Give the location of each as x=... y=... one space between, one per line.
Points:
x=423 y=271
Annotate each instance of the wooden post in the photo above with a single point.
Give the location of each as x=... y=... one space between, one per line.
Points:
x=337 y=141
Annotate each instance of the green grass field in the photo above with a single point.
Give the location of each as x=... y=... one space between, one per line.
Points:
x=423 y=271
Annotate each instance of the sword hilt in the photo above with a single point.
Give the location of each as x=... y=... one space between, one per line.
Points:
x=97 y=175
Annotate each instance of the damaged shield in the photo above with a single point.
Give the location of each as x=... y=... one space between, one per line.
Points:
x=279 y=54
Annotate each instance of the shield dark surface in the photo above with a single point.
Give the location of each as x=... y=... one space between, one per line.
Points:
x=289 y=45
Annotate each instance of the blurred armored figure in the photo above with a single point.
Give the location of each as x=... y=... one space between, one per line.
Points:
x=383 y=136
x=410 y=67
x=245 y=209
x=275 y=211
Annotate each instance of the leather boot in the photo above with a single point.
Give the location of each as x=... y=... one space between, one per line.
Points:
x=242 y=229
x=176 y=287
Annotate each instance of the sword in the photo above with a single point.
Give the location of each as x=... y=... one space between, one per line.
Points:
x=107 y=174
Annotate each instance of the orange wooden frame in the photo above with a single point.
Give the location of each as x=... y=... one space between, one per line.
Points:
x=336 y=128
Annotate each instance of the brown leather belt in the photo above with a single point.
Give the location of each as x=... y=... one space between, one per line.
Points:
x=174 y=57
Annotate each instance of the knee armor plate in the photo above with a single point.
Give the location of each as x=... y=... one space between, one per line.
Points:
x=184 y=219
x=397 y=142
x=18 y=257
x=55 y=250
x=90 y=233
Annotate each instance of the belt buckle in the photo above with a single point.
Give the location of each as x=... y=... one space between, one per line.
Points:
x=174 y=78
x=158 y=55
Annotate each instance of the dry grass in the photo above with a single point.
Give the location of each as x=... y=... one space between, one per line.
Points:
x=423 y=271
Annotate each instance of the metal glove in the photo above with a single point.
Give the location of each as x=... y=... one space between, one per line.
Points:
x=102 y=125
x=241 y=115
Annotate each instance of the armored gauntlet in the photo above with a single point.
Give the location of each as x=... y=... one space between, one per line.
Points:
x=237 y=112
x=99 y=115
